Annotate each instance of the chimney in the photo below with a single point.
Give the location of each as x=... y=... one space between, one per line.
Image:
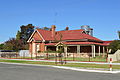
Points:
x=53 y=30
x=67 y=28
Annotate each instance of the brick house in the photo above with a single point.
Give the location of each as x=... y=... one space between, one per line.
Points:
x=76 y=41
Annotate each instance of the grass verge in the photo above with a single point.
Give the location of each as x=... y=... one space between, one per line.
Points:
x=78 y=65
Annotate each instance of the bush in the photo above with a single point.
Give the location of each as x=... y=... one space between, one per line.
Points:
x=114 y=46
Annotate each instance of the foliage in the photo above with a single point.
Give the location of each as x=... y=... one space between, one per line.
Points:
x=25 y=33
x=50 y=51
x=20 y=42
x=114 y=46
x=1 y=46
x=22 y=36
x=14 y=44
x=18 y=35
x=44 y=28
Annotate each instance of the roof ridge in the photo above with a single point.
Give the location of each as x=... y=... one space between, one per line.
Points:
x=70 y=30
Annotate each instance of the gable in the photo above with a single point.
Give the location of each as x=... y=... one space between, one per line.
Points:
x=36 y=36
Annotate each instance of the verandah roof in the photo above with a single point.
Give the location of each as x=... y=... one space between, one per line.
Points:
x=77 y=43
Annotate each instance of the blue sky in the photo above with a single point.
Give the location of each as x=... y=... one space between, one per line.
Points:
x=102 y=15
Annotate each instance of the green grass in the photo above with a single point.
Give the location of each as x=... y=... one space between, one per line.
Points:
x=83 y=65
x=116 y=62
x=96 y=59
x=83 y=59
x=27 y=62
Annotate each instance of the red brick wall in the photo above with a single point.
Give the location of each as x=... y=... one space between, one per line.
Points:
x=42 y=47
x=38 y=37
x=30 y=47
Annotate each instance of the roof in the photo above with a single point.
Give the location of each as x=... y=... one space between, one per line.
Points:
x=45 y=34
x=77 y=43
x=66 y=35
x=107 y=42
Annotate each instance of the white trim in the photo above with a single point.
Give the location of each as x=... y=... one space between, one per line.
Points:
x=40 y=35
x=93 y=50
x=99 y=51
x=33 y=48
x=37 y=47
x=31 y=36
x=59 y=43
x=78 y=48
x=29 y=40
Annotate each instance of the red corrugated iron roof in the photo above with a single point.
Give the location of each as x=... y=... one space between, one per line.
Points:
x=45 y=34
x=107 y=42
x=72 y=43
x=78 y=43
x=66 y=35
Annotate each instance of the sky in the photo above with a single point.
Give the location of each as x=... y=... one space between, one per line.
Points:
x=101 y=15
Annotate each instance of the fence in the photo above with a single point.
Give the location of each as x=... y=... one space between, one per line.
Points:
x=9 y=54
x=70 y=57
x=55 y=56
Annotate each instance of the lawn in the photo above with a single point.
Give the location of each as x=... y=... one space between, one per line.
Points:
x=96 y=59
x=80 y=65
x=116 y=62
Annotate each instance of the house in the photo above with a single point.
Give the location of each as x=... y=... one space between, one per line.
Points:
x=76 y=41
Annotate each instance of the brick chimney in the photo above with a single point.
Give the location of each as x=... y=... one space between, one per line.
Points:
x=67 y=28
x=53 y=30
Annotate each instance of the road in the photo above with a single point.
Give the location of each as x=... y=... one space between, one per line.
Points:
x=27 y=72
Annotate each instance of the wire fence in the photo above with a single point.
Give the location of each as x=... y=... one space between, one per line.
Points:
x=57 y=57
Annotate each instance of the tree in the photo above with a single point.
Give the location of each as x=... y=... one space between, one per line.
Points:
x=45 y=28
x=114 y=46
x=1 y=46
x=14 y=44
x=18 y=35
x=26 y=32
x=23 y=34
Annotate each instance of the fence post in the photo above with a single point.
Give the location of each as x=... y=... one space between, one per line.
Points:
x=56 y=59
x=107 y=57
x=47 y=56
x=65 y=59
x=73 y=57
x=110 y=64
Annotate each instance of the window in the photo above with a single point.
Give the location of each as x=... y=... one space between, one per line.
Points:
x=38 y=47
